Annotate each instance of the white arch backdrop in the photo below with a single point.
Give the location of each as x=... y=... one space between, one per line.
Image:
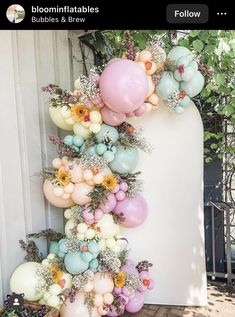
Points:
x=172 y=237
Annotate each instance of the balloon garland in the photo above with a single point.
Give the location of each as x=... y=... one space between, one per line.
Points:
x=87 y=272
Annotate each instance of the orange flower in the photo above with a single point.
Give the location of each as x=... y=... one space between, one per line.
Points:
x=57 y=274
x=63 y=177
x=79 y=111
x=109 y=182
x=182 y=94
x=120 y=279
x=148 y=65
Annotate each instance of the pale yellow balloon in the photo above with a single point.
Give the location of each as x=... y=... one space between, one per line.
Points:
x=53 y=301
x=154 y=99
x=70 y=224
x=55 y=289
x=108 y=228
x=67 y=279
x=58 y=119
x=68 y=213
x=80 y=194
x=56 y=201
x=26 y=280
x=79 y=129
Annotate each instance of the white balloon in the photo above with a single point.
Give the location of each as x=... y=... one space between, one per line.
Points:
x=70 y=224
x=108 y=228
x=67 y=279
x=53 y=301
x=26 y=280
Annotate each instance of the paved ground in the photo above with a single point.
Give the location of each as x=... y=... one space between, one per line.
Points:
x=221 y=303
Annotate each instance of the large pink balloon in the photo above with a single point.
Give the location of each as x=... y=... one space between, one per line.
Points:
x=53 y=199
x=78 y=308
x=112 y=118
x=135 y=303
x=123 y=86
x=135 y=210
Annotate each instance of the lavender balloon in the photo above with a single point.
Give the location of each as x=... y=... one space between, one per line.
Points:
x=123 y=86
x=135 y=303
x=109 y=205
x=135 y=211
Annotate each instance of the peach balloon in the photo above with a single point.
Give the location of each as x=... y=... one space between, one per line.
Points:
x=98 y=178
x=65 y=160
x=65 y=196
x=141 y=65
x=103 y=283
x=87 y=175
x=58 y=191
x=69 y=188
x=80 y=193
x=98 y=300
x=53 y=199
x=145 y=56
x=102 y=311
x=77 y=308
x=108 y=298
x=76 y=173
x=151 y=86
x=91 y=182
x=57 y=163
x=154 y=99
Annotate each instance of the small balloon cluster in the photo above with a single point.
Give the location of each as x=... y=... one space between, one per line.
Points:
x=87 y=272
x=183 y=82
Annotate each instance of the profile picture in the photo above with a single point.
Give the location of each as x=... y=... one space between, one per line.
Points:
x=15 y=13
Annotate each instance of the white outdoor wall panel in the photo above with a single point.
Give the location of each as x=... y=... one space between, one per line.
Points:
x=172 y=237
x=29 y=60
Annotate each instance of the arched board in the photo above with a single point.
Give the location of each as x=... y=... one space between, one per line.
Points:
x=172 y=237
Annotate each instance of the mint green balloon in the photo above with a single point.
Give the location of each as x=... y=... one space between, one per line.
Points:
x=107 y=130
x=167 y=85
x=194 y=86
x=54 y=247
x=178 y=52
x=125 y=160
x=74 y=264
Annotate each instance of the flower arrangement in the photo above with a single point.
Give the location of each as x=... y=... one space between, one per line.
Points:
x=87 y=271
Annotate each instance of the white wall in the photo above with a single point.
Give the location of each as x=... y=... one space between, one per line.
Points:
x=28 y=60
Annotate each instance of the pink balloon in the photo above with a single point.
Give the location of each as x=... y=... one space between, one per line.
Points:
x=129 y=268
x=141 y=110
x=130 y=114
x=53 y=199
x=109 y=205
x=123 y=86
x=134 y=210
x=112 y=118
x=136 y=303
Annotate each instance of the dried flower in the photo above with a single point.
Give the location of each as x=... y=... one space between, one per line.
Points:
x=120 y=279
x=73 y=244
x=45 y=280
x=156 y=47
x=79 y=111
x=94 y=162
x=32 y=251
x=49 y=234
x=132 y=281
x=143 y=266
x=109 y=182
x=98 y=196
x=109 y=261
x=80 y=281
x=169 y=65
x=135 y=185
x=63 y=177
